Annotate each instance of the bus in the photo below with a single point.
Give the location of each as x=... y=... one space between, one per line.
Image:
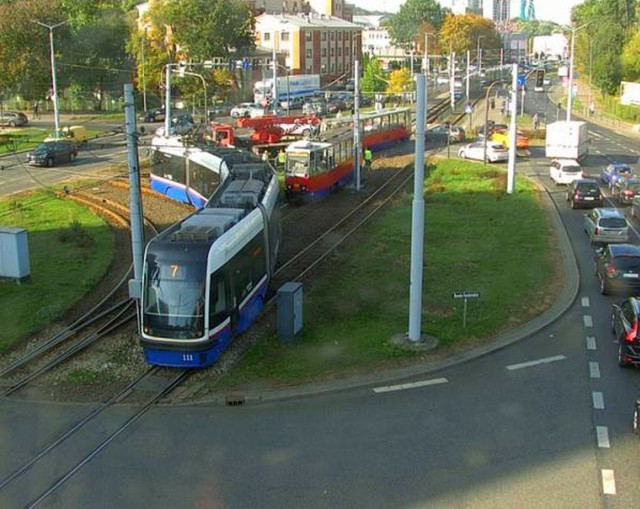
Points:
x=289 y=87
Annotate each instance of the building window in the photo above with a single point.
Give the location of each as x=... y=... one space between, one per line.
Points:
x=284 y=36
x=309 y=68
x=333 y=68
x=346 y=51
x=331 y=52
x=309 y=54
x=323 y=37
x=267 y=36
x=339 y=36
x=339 y=67
x=339 y=51
x=324 y=52
x=307 y=36
x=323 y=68
x=333 y=36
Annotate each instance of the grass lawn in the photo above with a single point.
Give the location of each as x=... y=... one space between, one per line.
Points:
x=27 y=138
x=477 y=238
x=70 y=250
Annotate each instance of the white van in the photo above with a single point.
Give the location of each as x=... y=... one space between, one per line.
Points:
x=565 y=171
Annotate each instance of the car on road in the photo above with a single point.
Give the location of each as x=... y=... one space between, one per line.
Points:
x=606 y=225
x=295 y=103
x=336 y=105
x=154 y=115
x=585 y=193
x=496 y=152
x=612 y=172
x=246 y=110
x=315 y=107
x=625 y=189
x=625 y=327
x=502 y=136
x=13 y=118
x=183 y=123
x=456 y=134
x=565 y=171
x=221 y=109
x=618 y=268
x=52 y=153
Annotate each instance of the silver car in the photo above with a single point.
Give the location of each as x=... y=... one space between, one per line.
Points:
x=13 y=118
x=606 y=226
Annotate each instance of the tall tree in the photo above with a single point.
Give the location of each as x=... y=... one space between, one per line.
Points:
x=404 y=27
x=630 y=58
x=372 y=77
x=460 y=33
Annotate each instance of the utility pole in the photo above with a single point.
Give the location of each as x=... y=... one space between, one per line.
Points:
x=56 y=113
x=135 y=199
x=357 y=149
x=511 y=166
x=417 y=218
x=274 y=59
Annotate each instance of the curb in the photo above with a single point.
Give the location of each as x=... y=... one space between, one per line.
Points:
x=563 y=302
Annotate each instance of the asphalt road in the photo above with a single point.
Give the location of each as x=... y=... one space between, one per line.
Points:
x=544 y=423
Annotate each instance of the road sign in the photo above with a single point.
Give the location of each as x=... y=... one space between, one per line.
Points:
x=466 y=295
x=522 y=80
x=468 y=108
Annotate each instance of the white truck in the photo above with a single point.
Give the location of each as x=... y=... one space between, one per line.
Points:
x=567 y=140
x=289 y=87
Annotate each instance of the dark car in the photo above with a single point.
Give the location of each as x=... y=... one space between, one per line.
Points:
x=585 y=193
x=51 y=153
x=456 y=134
x=222 y=109
x=13 y=118
x=612 y=172
x=625 y=189
x=183 y=123
x=336 y=105
x=155 y=115
x=314 y=107
x=625 y=326
x=618 y=267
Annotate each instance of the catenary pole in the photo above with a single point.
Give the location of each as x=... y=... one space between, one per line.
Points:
x=357 y=149
x=511 y=167
x=135 y=198
x=167 y=100
x=417 y=221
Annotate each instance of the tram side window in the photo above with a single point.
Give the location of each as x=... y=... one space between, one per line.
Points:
x=217 y=299
x=247 y=268
x=203 y=180
x=168 y=167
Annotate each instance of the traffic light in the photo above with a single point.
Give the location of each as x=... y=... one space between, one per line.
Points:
x=539 y=78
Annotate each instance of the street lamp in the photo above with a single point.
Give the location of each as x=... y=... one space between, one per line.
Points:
x=479 y=54
x=56 y=115
x=573 y=48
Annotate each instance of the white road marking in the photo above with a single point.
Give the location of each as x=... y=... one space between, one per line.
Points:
x=602 y=433
x=530 y=364
x=591 y=343
x=585 y=302
x=587 y=320
x=608 y=482
x=598 y=400
x=594 y=370
x=414 y=385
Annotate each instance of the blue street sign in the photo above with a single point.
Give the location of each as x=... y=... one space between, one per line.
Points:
x=522 y=79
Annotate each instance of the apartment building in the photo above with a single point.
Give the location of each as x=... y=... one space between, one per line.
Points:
x=313 y=43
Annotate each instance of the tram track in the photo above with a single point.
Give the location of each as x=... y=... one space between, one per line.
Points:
x=169 y=384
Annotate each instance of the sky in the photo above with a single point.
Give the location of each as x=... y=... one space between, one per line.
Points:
x=551 y=10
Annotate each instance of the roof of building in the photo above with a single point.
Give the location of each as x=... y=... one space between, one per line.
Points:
x=306 y=21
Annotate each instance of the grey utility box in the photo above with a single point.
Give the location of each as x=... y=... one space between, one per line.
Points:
x=14 y=253
x=289 y=310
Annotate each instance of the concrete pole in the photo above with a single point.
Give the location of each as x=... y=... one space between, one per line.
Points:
x=511 y=167
x=570 y=91
x=468 y=74
x=274 y=61
x=452 y=78
x=417 y=221
x=135 y=197
x=167 y=100
x=357 y=149
x=144 y=82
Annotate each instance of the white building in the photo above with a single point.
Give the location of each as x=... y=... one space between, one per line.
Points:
x=551 y=45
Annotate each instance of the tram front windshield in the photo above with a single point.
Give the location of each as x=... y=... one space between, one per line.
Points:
x=297 y=164
x=174 y=298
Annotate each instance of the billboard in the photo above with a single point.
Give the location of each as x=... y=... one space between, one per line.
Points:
x=630 y=93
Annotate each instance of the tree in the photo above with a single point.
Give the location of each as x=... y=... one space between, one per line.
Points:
x=372 y=77
x=400 y=81
x=462 y=33
x=404 y=27
x=630 y=58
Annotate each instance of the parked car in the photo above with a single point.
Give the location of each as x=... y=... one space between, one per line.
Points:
x=154 y=115
x=618 y=267
x=13 y=118
x=221 y=109
x=495 y=152
x=565 y=171
x=456 y=134
x=614 y=171
x=604 y=226
x=246 y=110
x=315 y=107
x=625 y=189
x=336 y=105
x=52 y=153
x=585 y=193
x=624 y=326
x=294 y=104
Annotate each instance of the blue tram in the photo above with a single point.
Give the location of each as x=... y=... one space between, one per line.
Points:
x=205 y=278
x=190 y=172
